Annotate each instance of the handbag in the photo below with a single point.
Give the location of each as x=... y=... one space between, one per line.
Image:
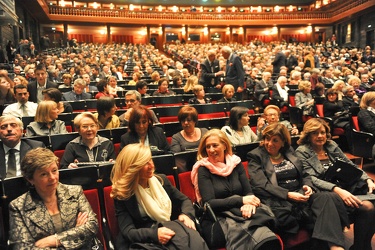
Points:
x=96 y=244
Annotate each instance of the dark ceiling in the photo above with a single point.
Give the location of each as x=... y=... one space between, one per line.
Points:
x=208 y=2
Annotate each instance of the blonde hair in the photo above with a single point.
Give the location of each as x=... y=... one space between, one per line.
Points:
x=77 y=120
x=304 y=85
x=366 y=99
x=337 y=83
x=227 y=87
x=125 y=172
x=190 y=83
x=202 y=153
x=43 y=111
x=353 y=79
x=197 y=88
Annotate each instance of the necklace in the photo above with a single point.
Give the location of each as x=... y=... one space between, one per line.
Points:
x=191 y=134
x=278 y=156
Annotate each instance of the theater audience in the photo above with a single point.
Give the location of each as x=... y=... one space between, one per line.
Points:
x=220 y=181
x=56 y=96
x=304 y=99
x=22 y=107
x=190 y=135
x=366 y=116
x=103 y=88
x=46 y=122
x=318 y=153
x=238 y=130
x=106 y=107
x=199 y=95
x=280 y=92
x=6 y=90
x=279 y=180
x=12 y=148
x=163 y=90
x=88 y=146
x=271 y=114
x=228 y=93
x=149 y=210
x=142 y=130
x=78 y=92
x=51 y=214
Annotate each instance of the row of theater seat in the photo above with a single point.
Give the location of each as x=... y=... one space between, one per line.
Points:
x=96 y=183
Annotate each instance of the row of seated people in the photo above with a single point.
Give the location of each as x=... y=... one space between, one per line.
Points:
x=214 y=153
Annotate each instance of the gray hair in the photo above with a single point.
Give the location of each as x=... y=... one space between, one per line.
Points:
x=226 y=49
x=79 y=81
x=136 y=93
x=11 y=117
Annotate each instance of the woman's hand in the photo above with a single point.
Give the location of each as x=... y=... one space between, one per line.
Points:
x=251 y=200
x=371 y=185
x=248 y=211
x=294 y=130
x=49 y=241
x=349 y=199
x=164 y=235
x=81 y=218
x=187 y=221
x=308 y=190
x=297 y=197
x=73 y=165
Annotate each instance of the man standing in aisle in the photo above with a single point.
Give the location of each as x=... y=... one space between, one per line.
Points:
x=210 y=71
x=234 y=72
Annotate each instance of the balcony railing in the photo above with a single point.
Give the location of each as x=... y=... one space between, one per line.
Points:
x=347 y=5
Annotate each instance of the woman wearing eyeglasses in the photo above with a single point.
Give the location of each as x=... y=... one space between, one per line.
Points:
x=88 y=146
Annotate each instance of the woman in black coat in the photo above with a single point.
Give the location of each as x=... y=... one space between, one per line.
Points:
x=141 y=130
x=278 y=179
x=151 y=213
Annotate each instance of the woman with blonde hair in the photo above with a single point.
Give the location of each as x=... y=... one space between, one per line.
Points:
x=366 y=116
x=20 y=80
x=228 y=93
x=220 y=182
x=304 y=99
x=190 y=83
x=338 y=87
x=151 y=213
x=199 y=95
x=356 y=83
x=46 y=122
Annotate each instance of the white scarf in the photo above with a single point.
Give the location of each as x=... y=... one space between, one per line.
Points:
x=156 y=203
x=283 y=92
x=219 y=168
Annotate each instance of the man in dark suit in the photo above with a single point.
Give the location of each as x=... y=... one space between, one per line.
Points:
x=78 y=92
x=41 y=83
x=12 y=148
x=234 y=71
x=279 y=61
x=263 y=86
x=210 y=71
x=291 y=61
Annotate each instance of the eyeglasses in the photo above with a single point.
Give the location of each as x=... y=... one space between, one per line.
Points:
x=129 y=100
x=86 y=127
x=272 y=115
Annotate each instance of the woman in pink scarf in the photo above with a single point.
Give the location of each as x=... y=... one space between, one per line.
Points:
x=220 y=181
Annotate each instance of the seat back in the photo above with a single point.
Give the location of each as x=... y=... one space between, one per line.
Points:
x=109 y=206
x=93 y=198
x=319 y=110
x=186 y=186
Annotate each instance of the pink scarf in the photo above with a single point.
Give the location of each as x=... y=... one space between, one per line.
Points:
x=219 y=168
